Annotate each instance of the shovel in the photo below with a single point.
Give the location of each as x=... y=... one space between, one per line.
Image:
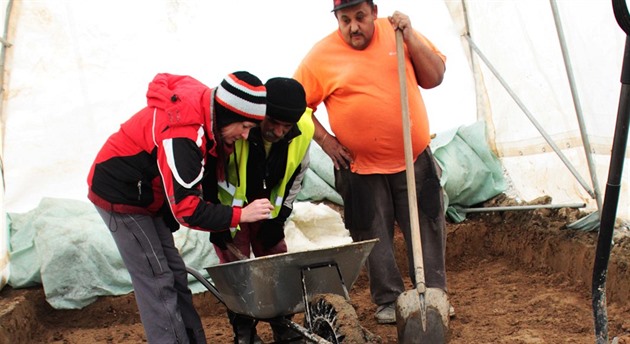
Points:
x=235 y=251
x=421 y=313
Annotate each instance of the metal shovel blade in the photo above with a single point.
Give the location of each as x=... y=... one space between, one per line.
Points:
x=422 y=317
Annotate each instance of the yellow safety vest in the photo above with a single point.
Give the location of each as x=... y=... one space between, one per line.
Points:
x=231 y=194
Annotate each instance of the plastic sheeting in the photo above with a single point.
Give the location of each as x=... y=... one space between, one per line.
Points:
x=65 y=246
x=319 y=181
x=471 y=173
x=4 y=243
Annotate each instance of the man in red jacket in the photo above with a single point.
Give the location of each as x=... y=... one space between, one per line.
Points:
x=161 y=170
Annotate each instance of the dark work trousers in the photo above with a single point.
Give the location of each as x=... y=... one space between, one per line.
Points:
x=159 y=278
x=372 y=204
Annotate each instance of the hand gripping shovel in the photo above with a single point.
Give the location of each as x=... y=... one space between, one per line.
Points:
x=421 y=313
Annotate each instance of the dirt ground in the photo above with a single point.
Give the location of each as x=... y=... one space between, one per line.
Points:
x=514 y=277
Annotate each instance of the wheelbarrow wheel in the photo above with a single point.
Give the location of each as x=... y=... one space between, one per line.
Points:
x=336 y=321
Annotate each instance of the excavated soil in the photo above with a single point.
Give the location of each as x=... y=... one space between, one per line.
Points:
x=513 y=276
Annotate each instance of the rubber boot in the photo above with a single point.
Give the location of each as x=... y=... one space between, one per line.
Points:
x=283 y=334
x=192 y=336
x=244 y=329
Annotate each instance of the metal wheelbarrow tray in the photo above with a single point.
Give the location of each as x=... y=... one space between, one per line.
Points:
x=273 y=286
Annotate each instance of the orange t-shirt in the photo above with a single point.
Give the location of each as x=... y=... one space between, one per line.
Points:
x=361 y=91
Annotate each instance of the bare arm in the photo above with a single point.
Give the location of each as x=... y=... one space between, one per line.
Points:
x=428 y=66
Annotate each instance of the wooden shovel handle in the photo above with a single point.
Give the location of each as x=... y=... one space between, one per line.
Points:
x=416 y=241
x=235 y=251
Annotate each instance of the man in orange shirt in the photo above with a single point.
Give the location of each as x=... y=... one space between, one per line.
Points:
x=353 y=71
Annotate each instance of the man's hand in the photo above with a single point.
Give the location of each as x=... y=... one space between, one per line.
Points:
x=338 y=153
x=259 y=209
x=427 y=65
x=400 y=21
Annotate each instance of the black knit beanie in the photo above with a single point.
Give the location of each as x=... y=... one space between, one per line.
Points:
x=286 y=99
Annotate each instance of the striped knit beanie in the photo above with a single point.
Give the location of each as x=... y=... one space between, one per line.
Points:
x=240 y=97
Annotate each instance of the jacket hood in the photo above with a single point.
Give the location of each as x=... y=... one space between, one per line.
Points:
x=167 y=91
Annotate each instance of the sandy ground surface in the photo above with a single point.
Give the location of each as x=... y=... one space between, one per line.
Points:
x=514 y=277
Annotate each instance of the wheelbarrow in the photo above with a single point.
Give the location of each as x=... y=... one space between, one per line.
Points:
x=314 y=282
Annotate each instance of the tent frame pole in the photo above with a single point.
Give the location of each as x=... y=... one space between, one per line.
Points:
x=529 y=115
x=576 y=103
x=521 y=207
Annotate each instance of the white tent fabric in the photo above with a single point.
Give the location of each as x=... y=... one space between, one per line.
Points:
x=84 y=67
x=519 y=39
x=4 y=241
x=77 y=69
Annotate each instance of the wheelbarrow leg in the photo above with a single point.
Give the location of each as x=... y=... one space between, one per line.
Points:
x=283 y=333
x=303 y=331
x=305 y=292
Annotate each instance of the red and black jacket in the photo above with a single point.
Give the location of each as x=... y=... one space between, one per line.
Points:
x=158 y=160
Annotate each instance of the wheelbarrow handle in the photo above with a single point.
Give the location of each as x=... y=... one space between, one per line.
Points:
x=235 y=251
x=206 y=284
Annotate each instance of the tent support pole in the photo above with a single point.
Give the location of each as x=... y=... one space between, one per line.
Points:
x=576 y=103
x=481 y=99
x=531 y=118
x=521 y=207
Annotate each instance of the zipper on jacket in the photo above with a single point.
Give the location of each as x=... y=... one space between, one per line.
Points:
x=266 y=174
x=139 y=189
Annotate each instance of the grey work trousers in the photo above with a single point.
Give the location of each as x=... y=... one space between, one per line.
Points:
x=159 y=277
x=373 y=202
